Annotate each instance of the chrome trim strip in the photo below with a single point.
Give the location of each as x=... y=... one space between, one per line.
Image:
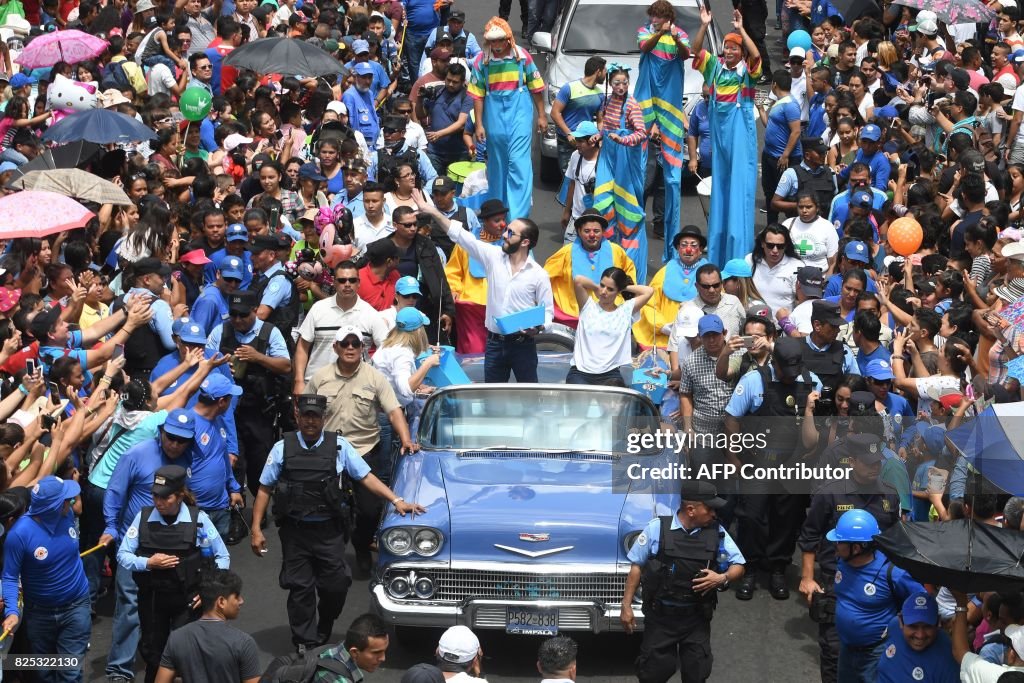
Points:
x=533 y=553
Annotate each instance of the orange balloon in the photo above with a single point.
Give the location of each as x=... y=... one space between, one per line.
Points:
x=905 y=236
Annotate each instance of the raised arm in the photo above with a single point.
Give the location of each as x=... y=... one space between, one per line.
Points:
x=705 y=21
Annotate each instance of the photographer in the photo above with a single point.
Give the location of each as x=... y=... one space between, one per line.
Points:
x=439 y=60
x=444 y=112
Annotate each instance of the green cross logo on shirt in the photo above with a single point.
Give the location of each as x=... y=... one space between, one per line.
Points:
x=804 y=246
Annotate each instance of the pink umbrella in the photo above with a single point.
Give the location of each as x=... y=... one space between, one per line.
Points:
x=38 y=214
x=69 y=46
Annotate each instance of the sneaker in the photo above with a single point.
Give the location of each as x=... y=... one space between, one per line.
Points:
x=118 y=679
x=764 y=80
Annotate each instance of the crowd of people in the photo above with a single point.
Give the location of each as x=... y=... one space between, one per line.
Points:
x=262 y=313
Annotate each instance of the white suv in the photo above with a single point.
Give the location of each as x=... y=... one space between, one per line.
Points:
x=606 y=28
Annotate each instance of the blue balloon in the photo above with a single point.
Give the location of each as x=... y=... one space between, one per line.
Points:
x=799 y=39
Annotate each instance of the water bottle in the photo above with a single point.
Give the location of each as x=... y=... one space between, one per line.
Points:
x=205 y=549
x=723 y=555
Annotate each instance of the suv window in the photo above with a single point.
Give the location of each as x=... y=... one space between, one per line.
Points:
x=588 y=28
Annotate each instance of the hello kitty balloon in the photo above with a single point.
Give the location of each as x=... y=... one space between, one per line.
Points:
x=65 y=97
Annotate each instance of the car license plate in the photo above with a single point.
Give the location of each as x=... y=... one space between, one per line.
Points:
x=531 y=621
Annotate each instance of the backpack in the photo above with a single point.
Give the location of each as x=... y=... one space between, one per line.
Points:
x=302 y=668
x=387 y=164
x=123 y=75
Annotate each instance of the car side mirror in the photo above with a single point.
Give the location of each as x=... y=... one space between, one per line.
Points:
x=542 y=41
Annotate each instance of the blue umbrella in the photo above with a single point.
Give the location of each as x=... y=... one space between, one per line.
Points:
x=992 y=444
x=100 y=126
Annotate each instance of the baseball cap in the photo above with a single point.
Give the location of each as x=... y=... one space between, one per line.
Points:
x=337 y=107
x=927 y=23
x=20 y=80
x=149 y=266
x=826 y=312
x=192 y=333
x=457 y=15
x=236 y=232
x=442 y=185
x=710 y=324
x=181 y=422
x=232 y=141
x=360 y=46
x=274 y=242
x=219 y=386
x=737 y=267
x=879 y=369
x=864 y=446
x=458 y=644
x=797 y=53
x=179 y=323
x=688 y=319
x=759 y=311
x=700 y=491
x=585 y=129
x=972 y=160
x=50 y=492
x=407 y=285
x=811 y=281
x=43 y=323
x=169 y=479
x=861 y=199
x=311 y=403
x=196 y=257
x=1014 y=250
x=861 y=402
x=309 y=171
x=814 y=144
x=409 y=319
x=871 y=132
x=440 y=53
x=348 y=331
x=961 y=80
x=242 y=302
x=789 y=356
x=920 y=608
x=231 y=267
x=856 y=251
x=362 y=68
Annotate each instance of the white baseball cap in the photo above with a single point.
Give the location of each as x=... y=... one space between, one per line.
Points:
x=688 y=319
x=234 y=140
x=1015 y=633
x=458 y=644
x=337 y=107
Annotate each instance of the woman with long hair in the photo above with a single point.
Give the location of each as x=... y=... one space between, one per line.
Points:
x=271 y=174
x=150 y=236
x=737 y=279
x=329 y=153
x=619 y=182
x=845 y=150
x=604 y=337
x=396 y=357
x=406 y=182
x=167 y=148
x=813 y=236
x=774 y=263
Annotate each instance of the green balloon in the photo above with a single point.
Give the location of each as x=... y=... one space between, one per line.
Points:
x=195 y=104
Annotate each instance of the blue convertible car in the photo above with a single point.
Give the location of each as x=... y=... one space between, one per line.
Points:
x=529 y=516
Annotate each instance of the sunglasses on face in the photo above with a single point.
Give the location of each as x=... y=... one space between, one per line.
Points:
x=407 y=225
x=177 y=439
x=710 y=285
x=351 y=344
x=774 y=246
x=237 y=314
x=346 y=280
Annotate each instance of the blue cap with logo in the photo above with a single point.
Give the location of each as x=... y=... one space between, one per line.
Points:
x=920 y=608
x=585 y=129
x=236 y=232
x=871 y=132
x=410 y=319
x=179 y=323
x=879 y=369
x=219 y=386
x=710 y=323
x=181 y=423
x=231 y=267
x=861 y=199
x=408 y=285
x=51 y=492
x=362 y=69
x=192 y=333
x=857 y=251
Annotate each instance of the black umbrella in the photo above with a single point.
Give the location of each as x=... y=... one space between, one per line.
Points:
x=854 y=9
x=72 y=155
x=286 y=56
x=962 y=555
x=98 y=125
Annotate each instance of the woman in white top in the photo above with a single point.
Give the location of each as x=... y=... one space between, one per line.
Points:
x=814 y=238
x=396 y=357
x=604 y=336
x=774 y=262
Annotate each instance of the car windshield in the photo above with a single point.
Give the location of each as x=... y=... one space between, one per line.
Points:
x=588 y=29
x=534 y=419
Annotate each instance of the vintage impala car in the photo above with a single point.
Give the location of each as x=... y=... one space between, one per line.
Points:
x=524 y=529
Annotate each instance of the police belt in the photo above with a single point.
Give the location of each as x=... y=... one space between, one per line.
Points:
x=703 y=608
x=311 y=523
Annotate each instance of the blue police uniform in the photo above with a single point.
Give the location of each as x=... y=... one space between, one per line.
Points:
x=277 y=293
x=162 y=319
x=276 y=347
x=210 y=477
x=355 y=204
x=866 y=601
x=646 y=544
x=127 y=558
x=130 y=486
x=427 y=171
x=211 y=268
x=900 y=663
x=313 y=548
x=748 y=395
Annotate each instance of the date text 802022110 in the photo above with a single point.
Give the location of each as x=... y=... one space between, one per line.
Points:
x=41 y=662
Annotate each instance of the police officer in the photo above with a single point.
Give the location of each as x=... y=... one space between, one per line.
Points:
x=869 y=592
x=211 y=308
x=41 y=556
x=862 y=491
x=825 y=355
x=312 y=472
x=165 y=547
x=772 y=397
x=276 y=293
x=260 y=365
x=681 y=561
x=915 y=648
x=148 y=343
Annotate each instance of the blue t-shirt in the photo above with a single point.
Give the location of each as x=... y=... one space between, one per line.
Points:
x=444 y=110
x=211 y=268
x=131 y=485
x=864 y=603
x=211 y=477
x=877 y=163
x=900 y=663
x=920 y=508
x=210 y=309
x=817 y=119
x=421 y=16
x=46 y=563
x=834 y=286
x=581 y=103
x=700 y=128
x=776 y=133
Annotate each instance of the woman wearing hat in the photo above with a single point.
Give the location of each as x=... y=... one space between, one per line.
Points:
x=41 y=555
x=167 y=547
x=733 y=82
x=737 y=279
x=396 y=359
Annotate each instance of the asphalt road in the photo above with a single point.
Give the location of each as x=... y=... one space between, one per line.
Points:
x=762 y=640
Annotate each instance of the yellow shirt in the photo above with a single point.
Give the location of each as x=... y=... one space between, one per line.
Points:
x=559 y=268
x=659 y=312
x=464 y=286
x=90 y=316
x=353 y=402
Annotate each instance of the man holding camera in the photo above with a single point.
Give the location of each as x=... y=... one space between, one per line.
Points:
x=439 y=60
x=445 y=112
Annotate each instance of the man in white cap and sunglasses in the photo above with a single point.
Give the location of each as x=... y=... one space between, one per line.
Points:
x=459 y=656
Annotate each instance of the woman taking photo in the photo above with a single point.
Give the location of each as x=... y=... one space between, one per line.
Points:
x=166 y=547
x=604 y=338
x=271 y=174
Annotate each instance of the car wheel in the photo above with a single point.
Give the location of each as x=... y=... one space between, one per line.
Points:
x=560 y=338
x=549 y=171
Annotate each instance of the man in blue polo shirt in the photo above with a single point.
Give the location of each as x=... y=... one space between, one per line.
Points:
x=360 y=103
x=576 y=102
x=236 y=242
x=915 y=648
x=211 y=478
x=211 y=308
x=871 y=154
x=130 y=489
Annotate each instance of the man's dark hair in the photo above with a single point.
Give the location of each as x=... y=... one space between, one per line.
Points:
x=933 y=263
x=372 y=187
x=378 y=253
x=869 y=326
x=530 y=231
x=972 y=187
x=227 y=27
x=706 y=269
x=593 y=65
x=847 y=45
x=363 y=628
x=928 y=320
x=222 y=583
x=401 y=212
x=769 y=326
x=555 y=655
x=458 y=70
x=783 y=79
x=195 y=57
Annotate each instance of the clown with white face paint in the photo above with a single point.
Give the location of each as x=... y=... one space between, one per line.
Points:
x=675 y=283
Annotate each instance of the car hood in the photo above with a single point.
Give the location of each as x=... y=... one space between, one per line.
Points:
x=564 y=68
x=534 y=505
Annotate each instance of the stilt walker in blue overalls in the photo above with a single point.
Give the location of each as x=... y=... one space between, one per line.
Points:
x=502 y=83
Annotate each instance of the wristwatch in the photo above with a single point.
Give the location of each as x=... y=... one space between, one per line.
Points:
x=725 y=585
x=396 y=501
x=960 y=610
